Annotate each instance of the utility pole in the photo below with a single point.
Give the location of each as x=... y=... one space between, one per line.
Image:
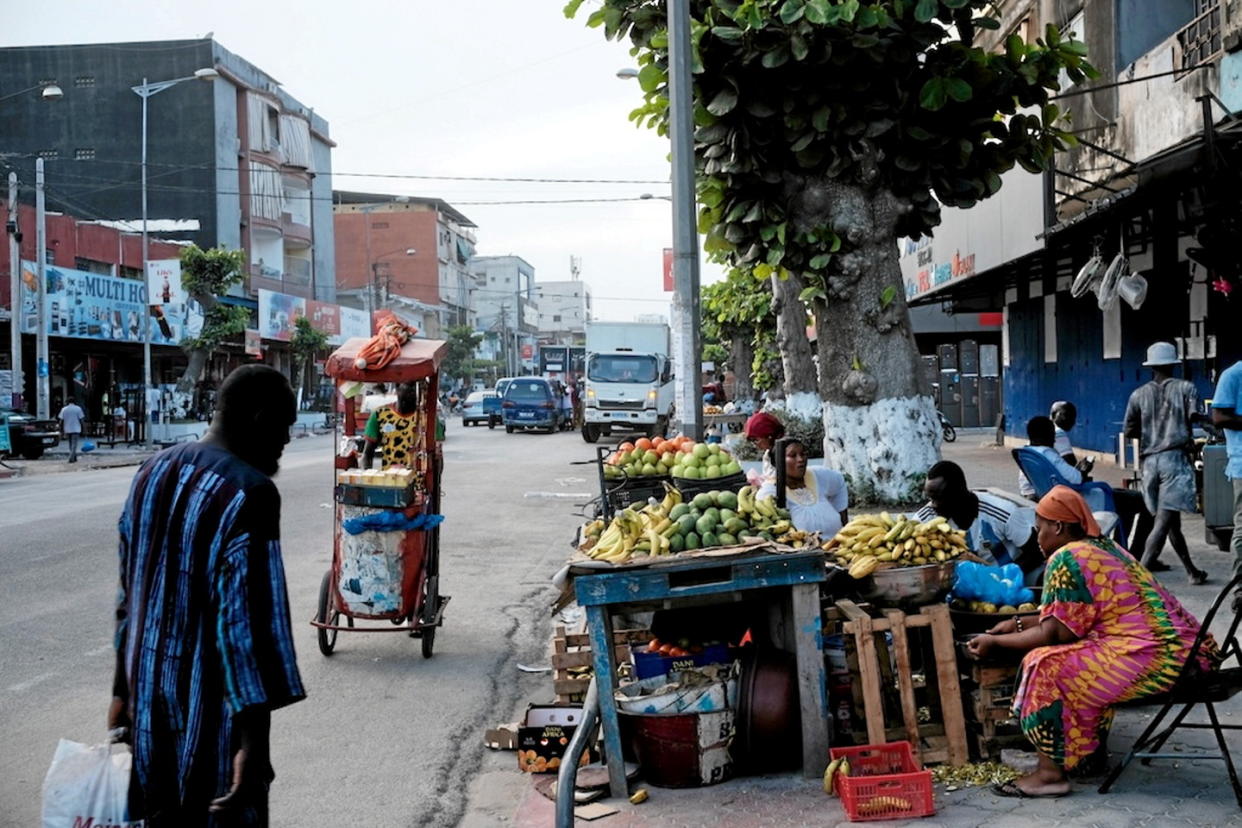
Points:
x=688 y=355
x=42 y=364
x=15 y=294
x=504 y=337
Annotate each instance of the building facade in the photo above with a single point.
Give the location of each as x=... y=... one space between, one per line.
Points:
x=564 y=310
x=506 y=312
x=1151 y=189
x=406 y=254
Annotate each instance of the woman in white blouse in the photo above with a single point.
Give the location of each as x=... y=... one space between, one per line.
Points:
x=816 y=498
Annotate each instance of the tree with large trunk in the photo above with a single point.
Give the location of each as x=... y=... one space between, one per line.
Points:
x=738 y=312
x=825 y=131
x=207 y=275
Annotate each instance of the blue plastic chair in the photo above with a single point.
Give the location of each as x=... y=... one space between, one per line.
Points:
x=1043 y=476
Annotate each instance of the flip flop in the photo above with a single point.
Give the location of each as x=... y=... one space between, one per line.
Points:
x=1011 y=790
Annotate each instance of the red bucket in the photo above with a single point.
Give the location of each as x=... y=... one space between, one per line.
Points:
x=681 y=750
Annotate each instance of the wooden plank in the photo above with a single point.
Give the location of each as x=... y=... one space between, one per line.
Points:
x=567 y=687
x=991 y=676
x=948 y=680
x=599 y=623
x=583 y=658
x=868 y=668
x=851 y=610
x=905 y=682
x=812 y=681
x=619 y=637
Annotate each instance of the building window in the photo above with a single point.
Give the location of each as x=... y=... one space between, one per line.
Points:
x=556 y=317
x=49 y=154
x=1143 y=25
x=126 y=272
x=1201 y=39
x=84 y=154
x=379 y=225
x=49 y=256
x=92 y=266
x=84 y=81
x=506 y=280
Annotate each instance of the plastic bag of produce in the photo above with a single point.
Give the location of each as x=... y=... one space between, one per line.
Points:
x=88 y=785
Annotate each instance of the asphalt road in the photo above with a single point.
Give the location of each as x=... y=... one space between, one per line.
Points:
x=385 y=737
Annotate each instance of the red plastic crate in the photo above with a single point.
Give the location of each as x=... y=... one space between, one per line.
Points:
x=884 y=783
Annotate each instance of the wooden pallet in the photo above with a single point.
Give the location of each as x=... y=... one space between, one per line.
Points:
x=992 y=688
x=571 y=650
x=943 y=739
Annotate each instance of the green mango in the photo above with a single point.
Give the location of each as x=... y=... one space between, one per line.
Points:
x=726 y=500
x=686 y=524
x=703 y=500
x=767 y=536
x=691 y=541
x=696 y=513
x=678 y=510
x=727 y=515
x=735 y=526
x=676 y=543
x=710 y=540
x=705 y=524
x=714 y=514
x=726 y=539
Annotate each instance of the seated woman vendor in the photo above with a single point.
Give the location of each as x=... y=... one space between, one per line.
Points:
x=394 y=429
x=1108 y=632
x=764 y=430
x=816 y=498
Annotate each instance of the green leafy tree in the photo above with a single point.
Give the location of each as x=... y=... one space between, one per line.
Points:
x=825 y=131
x=307 y=343
x=207 y=275
x=739 y=309
x=459 y=362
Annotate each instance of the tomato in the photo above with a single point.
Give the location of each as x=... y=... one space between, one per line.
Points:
x=642 y=444
x=656 y=442
x=678 y=652
x=667 y=649
x=653 y=646
x=626 y=446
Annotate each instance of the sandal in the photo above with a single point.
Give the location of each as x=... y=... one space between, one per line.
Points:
x=1198 y=577
x=1011 y=790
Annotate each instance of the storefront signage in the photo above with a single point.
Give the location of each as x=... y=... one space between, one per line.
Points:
x=354 y=324
x=164 y=282
x=254 y=342
x=279 y=312
x=83 y=305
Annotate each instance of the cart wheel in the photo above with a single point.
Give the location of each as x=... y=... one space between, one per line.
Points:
x=429 y=641
x=327 y=638
x=508 y=429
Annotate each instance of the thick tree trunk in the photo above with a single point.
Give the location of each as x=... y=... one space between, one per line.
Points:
x=880 y=425
x=197 y=356
x=741 y=360
x=791 y=340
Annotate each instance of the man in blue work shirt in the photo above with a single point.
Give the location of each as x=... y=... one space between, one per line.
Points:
x=1227 y=414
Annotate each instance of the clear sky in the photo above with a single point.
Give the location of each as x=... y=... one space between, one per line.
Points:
x=506 y=88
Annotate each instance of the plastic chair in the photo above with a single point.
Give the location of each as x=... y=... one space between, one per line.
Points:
x=1192 y=687
x=1043 y=476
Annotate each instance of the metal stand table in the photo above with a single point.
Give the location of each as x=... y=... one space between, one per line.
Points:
x=707 y=580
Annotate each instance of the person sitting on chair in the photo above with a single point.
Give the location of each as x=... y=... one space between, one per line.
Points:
x=394 y=430
x=1108 y=633
x=817 y=498
x=1042 y=435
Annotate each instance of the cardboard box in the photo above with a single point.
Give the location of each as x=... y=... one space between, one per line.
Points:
x=544 y=736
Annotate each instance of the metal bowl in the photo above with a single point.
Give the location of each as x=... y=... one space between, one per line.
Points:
x=910 y=585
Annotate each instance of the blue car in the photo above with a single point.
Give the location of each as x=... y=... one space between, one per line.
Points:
x=531 y=402
x=481 y=407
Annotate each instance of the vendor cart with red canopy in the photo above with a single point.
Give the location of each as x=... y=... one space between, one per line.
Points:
x=386 y=546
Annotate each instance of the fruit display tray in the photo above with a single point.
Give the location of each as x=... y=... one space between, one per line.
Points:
x=381 y=496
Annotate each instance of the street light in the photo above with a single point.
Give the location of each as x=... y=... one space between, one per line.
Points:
x=145 y=90
x=51 y=92
x=375 y=263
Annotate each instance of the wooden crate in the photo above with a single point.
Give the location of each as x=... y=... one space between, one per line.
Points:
x=990 y=716
x=571 y=651
x=943 y=739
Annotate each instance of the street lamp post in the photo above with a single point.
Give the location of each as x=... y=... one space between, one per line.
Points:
x=145 y=90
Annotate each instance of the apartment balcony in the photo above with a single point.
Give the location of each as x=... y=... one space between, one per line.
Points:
x=296 y=283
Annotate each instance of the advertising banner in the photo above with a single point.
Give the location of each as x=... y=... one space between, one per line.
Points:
x=164 y=282
x=354 y=324
x=254 y=343
x=83 y=305
x=278 y=312
x=669 y=287
x=325 y=317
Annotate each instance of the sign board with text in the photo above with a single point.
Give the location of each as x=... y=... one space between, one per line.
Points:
x=164 y=282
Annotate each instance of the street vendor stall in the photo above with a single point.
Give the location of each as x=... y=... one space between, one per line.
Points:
x=386 y=550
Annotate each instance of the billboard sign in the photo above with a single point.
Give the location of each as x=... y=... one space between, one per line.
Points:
x=278 y=313
x=81 y=305
x=254 y=342
x=164 y=282
x=668 y=270
x=354 y=324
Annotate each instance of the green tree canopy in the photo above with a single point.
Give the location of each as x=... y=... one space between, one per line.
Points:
x=459 y=361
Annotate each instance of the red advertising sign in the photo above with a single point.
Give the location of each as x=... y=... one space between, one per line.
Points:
x=528 y=351
x=325 y=317
x=668 y=270
x=254 y=344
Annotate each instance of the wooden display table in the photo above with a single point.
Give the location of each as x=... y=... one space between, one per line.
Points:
x=705 y=581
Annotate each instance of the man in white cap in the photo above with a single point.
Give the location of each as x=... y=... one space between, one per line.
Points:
x=1227 y=414
x=1161 y=414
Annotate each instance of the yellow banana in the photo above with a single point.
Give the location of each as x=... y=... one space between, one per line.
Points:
x=766 y=507
x=830 y=774
x=863 y=567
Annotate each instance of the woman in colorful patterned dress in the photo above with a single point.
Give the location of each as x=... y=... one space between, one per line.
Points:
x=1108 y=632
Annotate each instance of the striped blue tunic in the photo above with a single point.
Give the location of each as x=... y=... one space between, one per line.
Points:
x=202 y=624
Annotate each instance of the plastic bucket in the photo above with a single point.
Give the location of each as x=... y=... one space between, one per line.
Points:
x=681 y=750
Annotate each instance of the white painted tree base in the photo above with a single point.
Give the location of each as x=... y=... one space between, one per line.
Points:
x=883 y=447
x=804 y=405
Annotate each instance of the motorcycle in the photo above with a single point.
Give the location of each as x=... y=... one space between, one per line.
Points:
x=950 y=434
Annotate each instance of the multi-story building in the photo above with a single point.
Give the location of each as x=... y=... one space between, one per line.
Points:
x=507 y=315
x=233 y=160
x=564 y=310
x=1151 y=189
x=407 y=254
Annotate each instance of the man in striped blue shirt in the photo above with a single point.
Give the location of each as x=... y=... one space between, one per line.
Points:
x=203 y=638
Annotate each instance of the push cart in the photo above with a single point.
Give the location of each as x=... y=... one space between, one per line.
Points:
x=386 y=544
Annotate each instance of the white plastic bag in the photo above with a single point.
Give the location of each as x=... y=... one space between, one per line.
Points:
x=88 y=785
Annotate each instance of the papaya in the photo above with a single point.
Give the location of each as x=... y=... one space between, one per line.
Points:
x=691 y=541
x=714 y=513
x=726 y=515
x=726 y=500
x=735 y=526
x=676 y=543
x=710 y=540
x=726 y=539
x=703 y=501
x=679 y=510
x=686 y=524
x=705 y=524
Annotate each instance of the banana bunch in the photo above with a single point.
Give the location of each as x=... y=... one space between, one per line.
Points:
x=762 y=514
x=870 y=541
x=796 y=538
x=837 y=767
x=884 y=804
x=646 y=530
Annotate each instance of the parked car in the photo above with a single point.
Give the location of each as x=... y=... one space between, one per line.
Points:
x=531 y=402
x=28 y=435
x=481 y=407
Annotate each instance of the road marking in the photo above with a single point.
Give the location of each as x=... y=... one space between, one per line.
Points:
x=105 y=648
x=26 y=685
x=559 y=495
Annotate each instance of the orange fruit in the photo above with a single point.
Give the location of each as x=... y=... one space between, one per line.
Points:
x=656 y=442
x=642 y=444
x=626 y=446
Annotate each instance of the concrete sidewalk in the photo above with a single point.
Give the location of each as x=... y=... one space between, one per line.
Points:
x=1190 y=792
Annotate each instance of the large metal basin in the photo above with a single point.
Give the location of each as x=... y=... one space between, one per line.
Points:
x=909 y=585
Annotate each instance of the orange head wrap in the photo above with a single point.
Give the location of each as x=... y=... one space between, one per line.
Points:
x=1067 y=506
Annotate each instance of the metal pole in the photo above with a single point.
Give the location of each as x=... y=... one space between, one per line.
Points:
x=15 y=297
x=43 y=367
x=687 y=359
x=148 y=429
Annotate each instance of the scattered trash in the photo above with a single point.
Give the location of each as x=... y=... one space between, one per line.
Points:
x=973 y=775
x=527 y=668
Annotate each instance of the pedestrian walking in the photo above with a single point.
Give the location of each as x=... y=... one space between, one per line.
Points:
x=1227 y=414
x=204 y=645
x=71 y=418
x=1161 y=415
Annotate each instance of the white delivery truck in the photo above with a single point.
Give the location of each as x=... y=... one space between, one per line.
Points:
x=629 y=378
